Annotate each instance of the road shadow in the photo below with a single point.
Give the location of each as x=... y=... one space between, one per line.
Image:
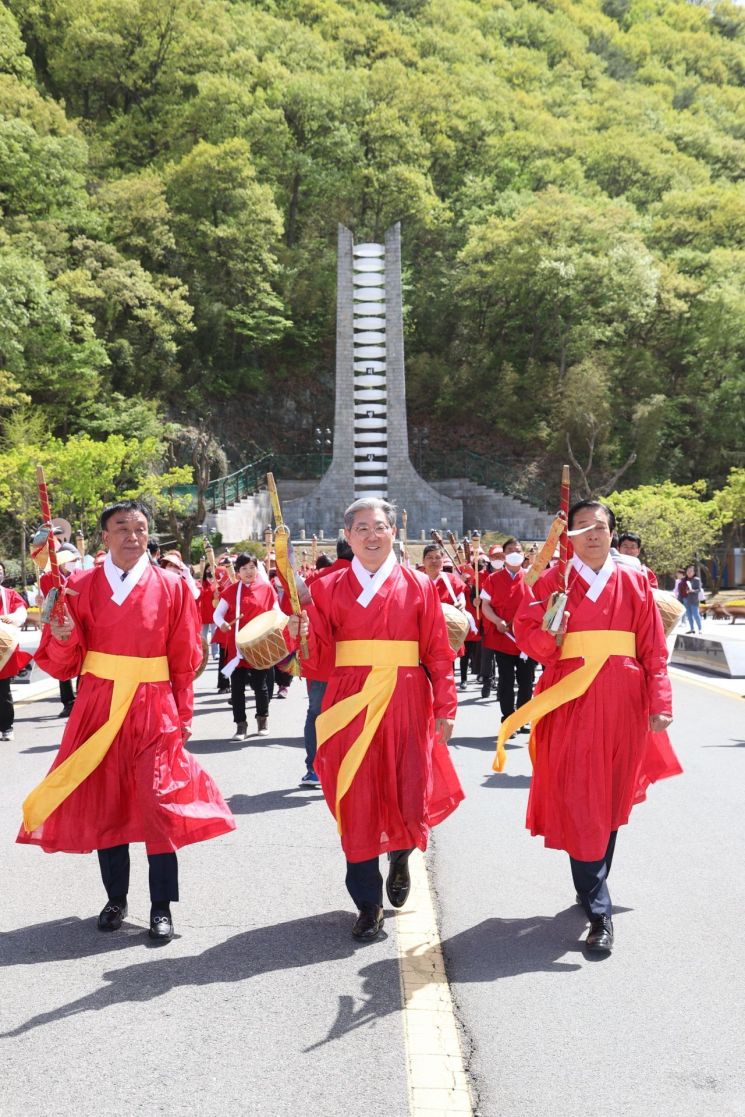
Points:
x=60 y=940
x=503 y=779
x=497 y=948
x=732 y=745
x=297 y=943
x=276 y=800
x=483 y=744
x=40 y=748
x=203 y=748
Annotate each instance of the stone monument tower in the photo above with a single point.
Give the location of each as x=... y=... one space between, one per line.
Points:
x=371 y=443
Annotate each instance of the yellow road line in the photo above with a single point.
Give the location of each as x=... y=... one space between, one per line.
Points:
x=686 y=678
x=438 y=1086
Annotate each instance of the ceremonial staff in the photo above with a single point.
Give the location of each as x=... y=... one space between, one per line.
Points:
x=54 y=606
x=555 y=618
x=282 y=555
x=441 y=543
x=458 y=550
x=475 y=548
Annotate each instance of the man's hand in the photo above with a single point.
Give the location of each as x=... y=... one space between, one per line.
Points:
x=659 y=722
x=7 y=620
x=444 y=729
x=501 y=626
x=62 y=630
x=298 y=626
x=224 y=626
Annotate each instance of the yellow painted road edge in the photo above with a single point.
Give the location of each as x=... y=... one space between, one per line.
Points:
x=684 y=677
x=438 y=1085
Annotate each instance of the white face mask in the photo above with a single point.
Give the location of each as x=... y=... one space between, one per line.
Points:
x=497 y=564
x=515 y=560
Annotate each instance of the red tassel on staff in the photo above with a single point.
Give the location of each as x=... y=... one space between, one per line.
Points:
x=565 y=546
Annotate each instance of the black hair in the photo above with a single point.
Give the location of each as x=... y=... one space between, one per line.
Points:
x=592 y=504
x=323 y=561
x=629 y=537
x=511 y=542
x=153 y=547
x=124 y=506
x=343 y=550
x=208 y=572
x=244 y=560
x=432 y=547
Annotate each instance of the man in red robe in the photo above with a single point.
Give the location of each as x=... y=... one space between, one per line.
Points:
x=630 y=545
x=451 y=589
x=377 y=633
x=598 y=736
x=122 y=774
x=501 y=595
x=240 y=603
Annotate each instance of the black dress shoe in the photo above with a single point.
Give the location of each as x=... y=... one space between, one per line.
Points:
x=112 y=915
x=600 y=935
x=398 y=884
x=161 y=926
x=369 y=922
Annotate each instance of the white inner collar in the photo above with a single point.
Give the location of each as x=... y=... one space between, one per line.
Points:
x=122 y=589
x=596 y=581
x=371 y=582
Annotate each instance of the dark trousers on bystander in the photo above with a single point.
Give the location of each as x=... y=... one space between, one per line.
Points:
x=114 y=863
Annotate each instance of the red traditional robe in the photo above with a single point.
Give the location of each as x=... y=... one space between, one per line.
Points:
x=505 y=594
x=595 y=756
x=468 y=575
x=10 y=603
x=443 y=583
x=406 y=782
x=147 y=788
x=256 y=598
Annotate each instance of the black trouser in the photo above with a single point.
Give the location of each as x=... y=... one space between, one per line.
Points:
x=114 y=863
x=7 y=713
x=222 y=682
x=486 y=667
x=591 y=881
x=364 y=881
x=282 y=678
x=261 y=683
x=509 y=669
x=66 y=692
x=471 y=659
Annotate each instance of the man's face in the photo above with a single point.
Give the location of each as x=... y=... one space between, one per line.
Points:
x=371 y=538
x=592 y=547
x=629 y=547
x=247 y=573
x=126 y=538
x=432 y=563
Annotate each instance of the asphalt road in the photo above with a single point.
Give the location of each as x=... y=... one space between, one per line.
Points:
x=657 y=1027
x=264 y=1004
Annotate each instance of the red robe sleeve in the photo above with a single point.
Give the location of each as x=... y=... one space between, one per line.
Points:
x=436 y=654
x=651 y=651
x=526 y=624
x=63 y=659
x=183 y=647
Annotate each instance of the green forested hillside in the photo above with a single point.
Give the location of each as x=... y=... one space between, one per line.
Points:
x=568 y=174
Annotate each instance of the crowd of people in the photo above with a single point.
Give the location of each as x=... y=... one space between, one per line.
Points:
x=381 y=664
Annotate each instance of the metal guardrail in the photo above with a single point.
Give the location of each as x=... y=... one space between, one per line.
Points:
x=504 y=477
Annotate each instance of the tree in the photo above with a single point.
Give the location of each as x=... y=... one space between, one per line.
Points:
x=675 y=522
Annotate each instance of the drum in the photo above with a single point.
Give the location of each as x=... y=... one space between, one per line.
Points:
x=9 y=639
x=457 y=625
x=670 y=609
x=261 y=642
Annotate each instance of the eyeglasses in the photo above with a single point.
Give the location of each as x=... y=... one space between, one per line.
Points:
x=363 y=531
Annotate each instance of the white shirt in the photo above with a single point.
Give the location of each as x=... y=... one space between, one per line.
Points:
x=372 y=581
x=597 y=581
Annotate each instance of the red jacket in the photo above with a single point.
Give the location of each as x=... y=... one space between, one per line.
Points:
x=505 y=596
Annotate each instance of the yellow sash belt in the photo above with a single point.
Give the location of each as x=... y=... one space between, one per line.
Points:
x=384 y=657
x=126 y=672
x=595 y=648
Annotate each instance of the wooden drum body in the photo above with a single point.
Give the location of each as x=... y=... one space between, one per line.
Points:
x=261 y=642
x=457 y=625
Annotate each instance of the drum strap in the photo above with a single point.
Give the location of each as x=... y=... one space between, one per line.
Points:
x=595 y=648
x=126 y=672
x=384 y=657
